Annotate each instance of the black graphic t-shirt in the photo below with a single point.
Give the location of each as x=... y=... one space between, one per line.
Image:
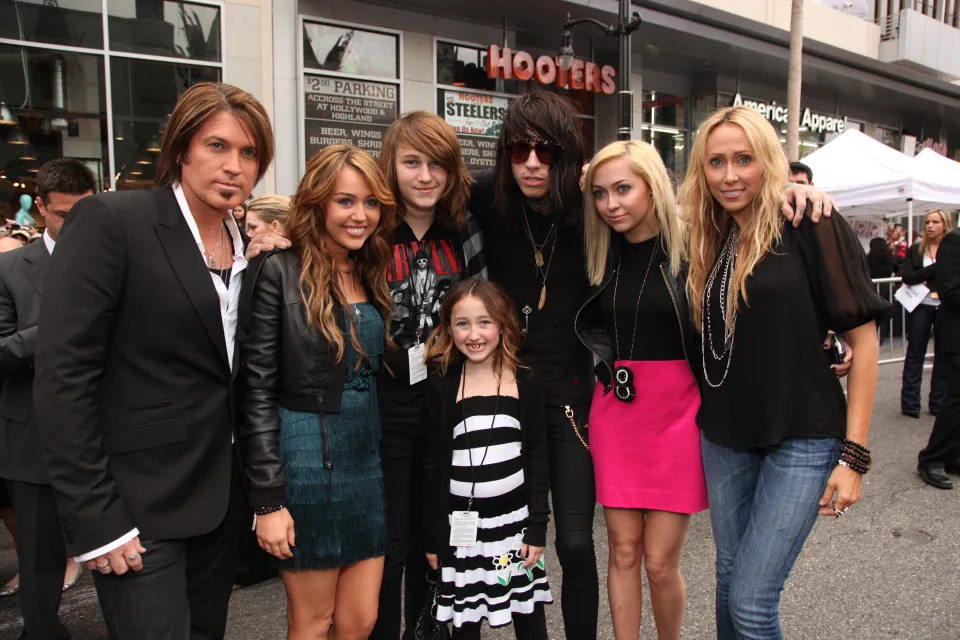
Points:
x=420 y=274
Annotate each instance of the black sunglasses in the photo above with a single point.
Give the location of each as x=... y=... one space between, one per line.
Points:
x=547 y=151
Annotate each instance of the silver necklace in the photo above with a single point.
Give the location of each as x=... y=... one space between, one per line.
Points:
x=622 y=375
x=727 y=262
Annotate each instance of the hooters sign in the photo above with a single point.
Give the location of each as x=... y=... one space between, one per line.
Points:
x=586 y=76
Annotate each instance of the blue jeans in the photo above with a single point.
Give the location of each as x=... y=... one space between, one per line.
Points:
x=763 y=504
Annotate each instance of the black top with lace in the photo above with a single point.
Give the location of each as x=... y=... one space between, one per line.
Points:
x=779 y=385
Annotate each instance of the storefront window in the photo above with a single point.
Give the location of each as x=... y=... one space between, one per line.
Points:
x=144 y=94
x=55 y=104
x=355 y=110
x=77 y=23
x=664 y=126
x=164 y=28
x=52 y=105
x=344 y=49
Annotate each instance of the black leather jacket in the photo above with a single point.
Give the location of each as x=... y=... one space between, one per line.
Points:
x=592 y=330
x=284 y=362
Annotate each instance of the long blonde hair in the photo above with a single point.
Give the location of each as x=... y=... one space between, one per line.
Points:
x=306 y=229
x=947 y=228
x=646 y=164
x=710 y=223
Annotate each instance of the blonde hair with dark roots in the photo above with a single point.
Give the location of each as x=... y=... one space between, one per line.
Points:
x=947 y=228
x=196 y=106
x=443 y=351
x=709 y=222
x=646 y=164
x=429 y=134
x=306 y=229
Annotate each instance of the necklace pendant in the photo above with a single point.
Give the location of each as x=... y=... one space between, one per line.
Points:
x=623 y=384
x=543 y=297
x=527 y=310
x=538 y=258
x=211 y=262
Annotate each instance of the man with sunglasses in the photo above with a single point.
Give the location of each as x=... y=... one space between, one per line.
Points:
x=530 y=209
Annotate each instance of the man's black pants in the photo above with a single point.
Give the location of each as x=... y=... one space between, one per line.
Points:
x=41 y=558
x=184 y=588
x=944 y=443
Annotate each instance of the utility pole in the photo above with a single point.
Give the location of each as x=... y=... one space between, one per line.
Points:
x=795 y=80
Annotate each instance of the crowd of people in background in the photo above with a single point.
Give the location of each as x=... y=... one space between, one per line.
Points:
x=400 y=368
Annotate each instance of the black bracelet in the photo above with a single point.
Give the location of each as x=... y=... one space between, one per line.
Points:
x=262 y=511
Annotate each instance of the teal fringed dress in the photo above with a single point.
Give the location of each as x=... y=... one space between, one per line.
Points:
x=339 y=513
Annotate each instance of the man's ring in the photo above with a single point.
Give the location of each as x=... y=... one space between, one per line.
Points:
x=133 y=558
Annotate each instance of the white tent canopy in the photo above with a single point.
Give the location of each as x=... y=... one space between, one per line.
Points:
x=940 y=170
x=868 y=178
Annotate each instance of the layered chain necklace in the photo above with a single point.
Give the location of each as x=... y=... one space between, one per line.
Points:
x=727 y=264
x=623 y=386
x=219 y=248
x=538 y=261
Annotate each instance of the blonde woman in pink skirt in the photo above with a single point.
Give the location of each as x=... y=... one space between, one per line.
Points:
x=643 y=432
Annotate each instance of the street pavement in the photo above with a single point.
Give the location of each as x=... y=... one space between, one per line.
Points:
x=889 y=569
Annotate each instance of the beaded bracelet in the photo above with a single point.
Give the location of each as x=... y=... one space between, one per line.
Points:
x=855 y=456
x=262 y=511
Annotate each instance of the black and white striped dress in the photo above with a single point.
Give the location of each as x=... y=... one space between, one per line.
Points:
x=487 y=580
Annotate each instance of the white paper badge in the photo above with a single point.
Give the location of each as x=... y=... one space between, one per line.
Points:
x=463 y=528
x=416 y=355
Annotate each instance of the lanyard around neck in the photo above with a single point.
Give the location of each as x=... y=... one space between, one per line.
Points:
x=466 y=431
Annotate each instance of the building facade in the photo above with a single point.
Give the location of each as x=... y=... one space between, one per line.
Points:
x=95 y=79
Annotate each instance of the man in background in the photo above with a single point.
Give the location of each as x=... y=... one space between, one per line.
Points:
x=801 y=173
x=40 y=550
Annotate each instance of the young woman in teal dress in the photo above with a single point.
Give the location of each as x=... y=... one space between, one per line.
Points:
x=314 y=328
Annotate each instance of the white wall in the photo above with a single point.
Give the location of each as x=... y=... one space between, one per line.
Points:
x=248 y=56
x=820 y=22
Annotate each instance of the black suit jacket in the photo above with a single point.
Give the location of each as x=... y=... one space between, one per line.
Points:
x=948 y=285
x=21 y=282
x=133 y=382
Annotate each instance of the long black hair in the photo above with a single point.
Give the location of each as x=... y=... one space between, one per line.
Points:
x=550 y=117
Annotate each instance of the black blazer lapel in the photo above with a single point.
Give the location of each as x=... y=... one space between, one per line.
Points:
x=36 y=259
x=181 y=249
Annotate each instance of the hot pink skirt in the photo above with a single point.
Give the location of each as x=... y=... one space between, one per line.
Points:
x=646 y=453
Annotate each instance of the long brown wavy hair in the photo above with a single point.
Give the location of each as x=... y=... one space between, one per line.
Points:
x=429 y=134
x=306 y=229
x=443 y=351
x=709 y=223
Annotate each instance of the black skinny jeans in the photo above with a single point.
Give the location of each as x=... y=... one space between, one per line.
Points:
x=920 y=323
x=401 y=457
x=574 y=501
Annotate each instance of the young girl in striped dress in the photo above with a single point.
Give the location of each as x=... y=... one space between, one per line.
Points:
x=486 y=468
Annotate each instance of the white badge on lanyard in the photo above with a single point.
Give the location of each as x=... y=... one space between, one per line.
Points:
x=416 y=356
x=463 y=528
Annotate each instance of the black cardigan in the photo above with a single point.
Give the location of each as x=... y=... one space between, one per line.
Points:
x=440 y=417
x=914 y=272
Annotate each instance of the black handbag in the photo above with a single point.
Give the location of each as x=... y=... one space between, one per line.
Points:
x=427 y=626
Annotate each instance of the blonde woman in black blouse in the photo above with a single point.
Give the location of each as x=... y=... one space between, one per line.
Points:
x=779 y=442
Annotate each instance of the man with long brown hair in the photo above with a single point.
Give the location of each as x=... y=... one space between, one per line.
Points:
x=135 y=365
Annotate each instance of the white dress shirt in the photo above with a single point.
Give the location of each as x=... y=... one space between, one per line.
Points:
x=48 y=242
x=229 y=301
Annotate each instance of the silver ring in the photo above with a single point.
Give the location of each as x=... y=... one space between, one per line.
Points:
x=133 y=558
x=103 y=567
x=838 y=512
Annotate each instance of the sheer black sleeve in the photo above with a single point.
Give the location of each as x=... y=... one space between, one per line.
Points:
x=839 y=274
